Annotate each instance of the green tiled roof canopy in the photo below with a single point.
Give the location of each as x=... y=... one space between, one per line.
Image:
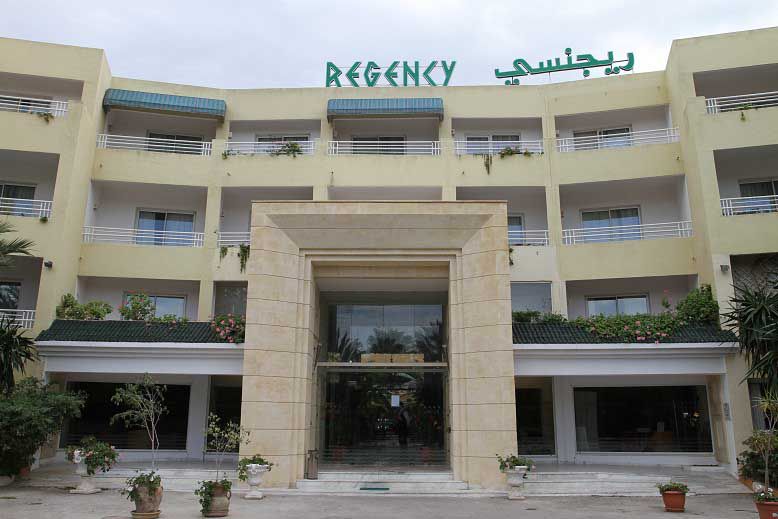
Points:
x=129 y=331
x=411 y=106
x=566 y=333
x=135 y=100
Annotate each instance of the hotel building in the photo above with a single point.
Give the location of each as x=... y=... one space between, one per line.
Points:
x=378 y=264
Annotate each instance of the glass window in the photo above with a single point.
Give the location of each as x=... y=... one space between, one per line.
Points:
x=600 y=224
x=615 y=138
x=9 y=295
x=629 y=305
x=477 y=144
x=230 y=299
x=383 y=145
x=16 y=197
x=642 y=419
x=154 y=227
x=535 y=416
x=756 y=390
x=531 y=297
x=586 y=140
x=166 y=305
x=760 y=197
x=175 y=147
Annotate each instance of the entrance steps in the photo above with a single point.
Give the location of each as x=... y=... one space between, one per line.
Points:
x=175 y=480
x=377 y=482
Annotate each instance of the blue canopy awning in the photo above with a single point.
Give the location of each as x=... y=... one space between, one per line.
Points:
x=135 y=100
x=406 y=106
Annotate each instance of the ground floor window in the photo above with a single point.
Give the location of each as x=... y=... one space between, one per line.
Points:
x=642 y=419
x=98 y=410
x=535 y=416
x=756 y=390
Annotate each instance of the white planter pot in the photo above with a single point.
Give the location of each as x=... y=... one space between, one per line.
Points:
x=516 y=481
x=255 y=473
x=6 y=480
x=87 y=485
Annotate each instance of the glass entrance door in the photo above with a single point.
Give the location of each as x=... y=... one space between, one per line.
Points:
x=387 y=419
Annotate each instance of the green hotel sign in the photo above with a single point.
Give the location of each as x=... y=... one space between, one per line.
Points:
x=582 y=62
x=411 y=72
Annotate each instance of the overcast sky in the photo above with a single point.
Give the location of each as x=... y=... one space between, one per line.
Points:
x=259 y=43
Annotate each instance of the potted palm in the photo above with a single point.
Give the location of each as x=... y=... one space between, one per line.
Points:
x=673 y=495
x=89 y=456
x=214 y=495
x=251 y=470
x=516 y=468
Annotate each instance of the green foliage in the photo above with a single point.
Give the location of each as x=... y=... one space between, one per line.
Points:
x=231 y=328
x=223 y=252
x=752 y=463
x=511 y=460
x=223 y=438
x=508 y=151
x=767 y=495
x=765 y=442
x=150 y=480
x=630 y=328
x=254 y=460
x=29 y=415
x=16 y=350
x=11 y=248
x=206 y=490
x=171 y=319
x=138 y=307
x=145 y=406
x=698 y=306
x=70 y=308
x=534 y=316
x=288 y=148
x=672 y=486
x=244 y=251
x=95 y=454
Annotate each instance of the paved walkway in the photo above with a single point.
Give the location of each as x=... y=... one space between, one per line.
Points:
x=18 y=502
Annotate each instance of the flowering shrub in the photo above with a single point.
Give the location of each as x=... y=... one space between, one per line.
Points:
x=150 y=480
x=138 y=307
x=631 y=328
x=511 y=460
x=767 y=495
x=95 y=454
x=231 y=328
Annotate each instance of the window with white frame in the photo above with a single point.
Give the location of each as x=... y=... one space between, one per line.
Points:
x=9 y=295
x=760 y=196
x=165 y=228
x=603 y=224
x=165 y=304
x=616 y=305
x=516 y=229
x=187 y=144
x=603 y=138
x=271 y=143
x=15 y=199
x=381 y=145
x=492 y=143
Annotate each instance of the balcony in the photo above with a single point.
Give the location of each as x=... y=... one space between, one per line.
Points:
x=715 y=105
x=491 y=147
x=33 y=105
x=528 y=238
x=24 y=318
x=383 y=147
x=627 y=232
x=270 y=148
x=603 y=140
x=749 y=205
x=142 y=237
x=25 y=207
x=160 y=145
x=233 y=239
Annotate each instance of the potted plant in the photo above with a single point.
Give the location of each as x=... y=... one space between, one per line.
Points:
x=145 y=490
x=673 y=495
x=89 y=456
x=251 y=470
x=765 y=442
x=215 y=494
x=516 y=468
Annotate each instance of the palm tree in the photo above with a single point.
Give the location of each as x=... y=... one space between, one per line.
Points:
x=12 y=247
x=15 y=350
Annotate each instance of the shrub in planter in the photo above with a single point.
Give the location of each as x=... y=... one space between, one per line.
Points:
x=516 y=467
x=89 y=456
x=70 y=308
x=231 y=328
x=138 y=307
x=251 y=470
x=145 y=490
x=673 y=495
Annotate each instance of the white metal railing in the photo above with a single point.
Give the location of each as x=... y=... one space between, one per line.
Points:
x=25 y=207
x=749 y=205
x=127 y=142
x=464 y=147
x=142 y=237
x=627 y=232
x=234 y=238
x=383 y=148
x=519 y=238
x=24 y=318
x=716 y=105
x=33 y=105
x=618 y=140
x=267 y=148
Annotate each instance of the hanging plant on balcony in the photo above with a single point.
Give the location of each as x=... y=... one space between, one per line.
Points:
x=288 y=148
x=223 y=252
x=244 y=251
x=46 y=116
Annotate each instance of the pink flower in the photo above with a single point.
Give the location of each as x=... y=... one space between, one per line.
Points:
x=637 y=323
x=641 y=338
x=626 y=327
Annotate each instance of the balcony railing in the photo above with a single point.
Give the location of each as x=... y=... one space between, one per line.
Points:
x=383 y=148
x=33 y=105
x=495 y=147
x=142 y=237
x=627 y=232
x=618 y=140
x=536 y=238
x=25 y=207
x=267 y=148
x=716 y=105
x=127 y=142
x=24 y=318
x=749 y=205
x=233 y=239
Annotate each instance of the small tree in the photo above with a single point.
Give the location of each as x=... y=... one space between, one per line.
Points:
x=145 y=403
x=224 y=438
x=765 y=441
x=15 y=350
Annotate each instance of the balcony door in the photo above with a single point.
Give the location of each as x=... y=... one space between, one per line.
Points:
x=15 y=199
x=600 y=225
x=761 y=196
x=165 y=228
x=383 y=145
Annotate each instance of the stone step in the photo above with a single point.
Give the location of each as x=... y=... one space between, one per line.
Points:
x=385 y=476
x=387 y=483
x=175 y=480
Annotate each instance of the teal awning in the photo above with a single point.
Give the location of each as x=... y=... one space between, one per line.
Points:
x=412 y=106
x=135 y=100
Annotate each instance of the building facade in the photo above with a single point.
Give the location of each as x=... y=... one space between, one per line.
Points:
x=377 y=241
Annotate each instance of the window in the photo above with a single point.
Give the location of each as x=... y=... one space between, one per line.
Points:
x=271 y=143
x=515 y=229
x=166 y=305
x=189 y=144
x=165 y=228
x=386 y=145
x=531 y=296
x=761 y=196
x=230 y=299
x=600 y=224
x=607 y=138
x=490 y=143
x=618 y=305
x=15 y=198
x=9 y=295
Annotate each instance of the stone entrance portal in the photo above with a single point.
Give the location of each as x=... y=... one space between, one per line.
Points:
x=298 y=247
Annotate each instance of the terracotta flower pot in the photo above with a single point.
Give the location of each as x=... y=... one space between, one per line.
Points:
x=147 y=505
x=674 y=501
x=767 y=509
x=220 y=503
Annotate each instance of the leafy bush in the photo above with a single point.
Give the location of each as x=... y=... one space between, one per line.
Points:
x=16 y=349
x=672 y=486
x=29 y=415
x=150 y=480
x=231 y=328
x=206 y=490
x=630 y=328
x=95 y=454
x=752 y=463
x=70 y=308
x=534 y=316
x=698 y=306
x=244 y=463
x=138 y=307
